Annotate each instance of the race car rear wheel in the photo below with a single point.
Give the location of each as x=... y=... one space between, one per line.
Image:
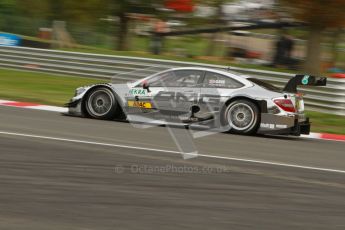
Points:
x=101 y=103
x=242 y=117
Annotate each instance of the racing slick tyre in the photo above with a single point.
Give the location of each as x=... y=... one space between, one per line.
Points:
x=242 y=117
x=101 y=103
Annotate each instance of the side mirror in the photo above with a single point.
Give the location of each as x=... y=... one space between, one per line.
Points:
x=194 y=109
x=146 y=86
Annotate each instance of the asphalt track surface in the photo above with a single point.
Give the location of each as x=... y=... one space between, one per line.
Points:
x=60 y=172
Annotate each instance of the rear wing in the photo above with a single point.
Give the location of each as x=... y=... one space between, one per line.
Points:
x=291 y=86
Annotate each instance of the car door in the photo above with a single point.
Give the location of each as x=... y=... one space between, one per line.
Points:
x=180 y=93
x=167 y=95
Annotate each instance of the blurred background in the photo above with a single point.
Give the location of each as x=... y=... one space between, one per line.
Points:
x=281 y=34
x=123 y=39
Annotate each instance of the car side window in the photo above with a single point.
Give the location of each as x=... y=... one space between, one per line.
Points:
x=178 y=78
x=216 y=80
x=160 y=80
x=187 y=78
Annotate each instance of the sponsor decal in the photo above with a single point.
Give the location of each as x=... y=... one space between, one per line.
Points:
x=305 y=80
x=140 y=104
x=267 y=126
x=9 y=40
x=281 y=126
x=138 y=92
x=215 y=81
x=273 y=126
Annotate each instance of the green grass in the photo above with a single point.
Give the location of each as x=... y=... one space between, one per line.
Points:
x=57 y=90
x=39 y=87
x=328 y=123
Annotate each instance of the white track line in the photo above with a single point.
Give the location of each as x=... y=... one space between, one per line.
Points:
x=49 y=108
x=37 y=107
x=173 y=152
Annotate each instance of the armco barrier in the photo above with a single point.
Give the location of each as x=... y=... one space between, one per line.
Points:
x=330 y=99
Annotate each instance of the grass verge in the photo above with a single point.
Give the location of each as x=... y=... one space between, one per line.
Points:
x=327 y=123
x=57 y=90
x=39 y=87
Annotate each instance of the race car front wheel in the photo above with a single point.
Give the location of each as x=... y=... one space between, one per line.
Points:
x=242 y=117
x=101 y=103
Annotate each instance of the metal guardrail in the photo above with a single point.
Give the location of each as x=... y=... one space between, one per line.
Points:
x=329 y=99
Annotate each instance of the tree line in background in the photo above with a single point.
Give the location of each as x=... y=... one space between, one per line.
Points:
x=14 y=14
x=320 y=16
x=25 y=17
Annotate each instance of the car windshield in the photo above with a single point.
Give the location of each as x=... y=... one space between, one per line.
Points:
x=264 y=85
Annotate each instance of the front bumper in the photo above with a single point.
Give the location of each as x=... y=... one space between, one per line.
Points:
x=74 y=108
x=283 y=125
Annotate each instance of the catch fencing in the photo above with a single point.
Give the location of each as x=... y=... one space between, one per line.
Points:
x=329 y=99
